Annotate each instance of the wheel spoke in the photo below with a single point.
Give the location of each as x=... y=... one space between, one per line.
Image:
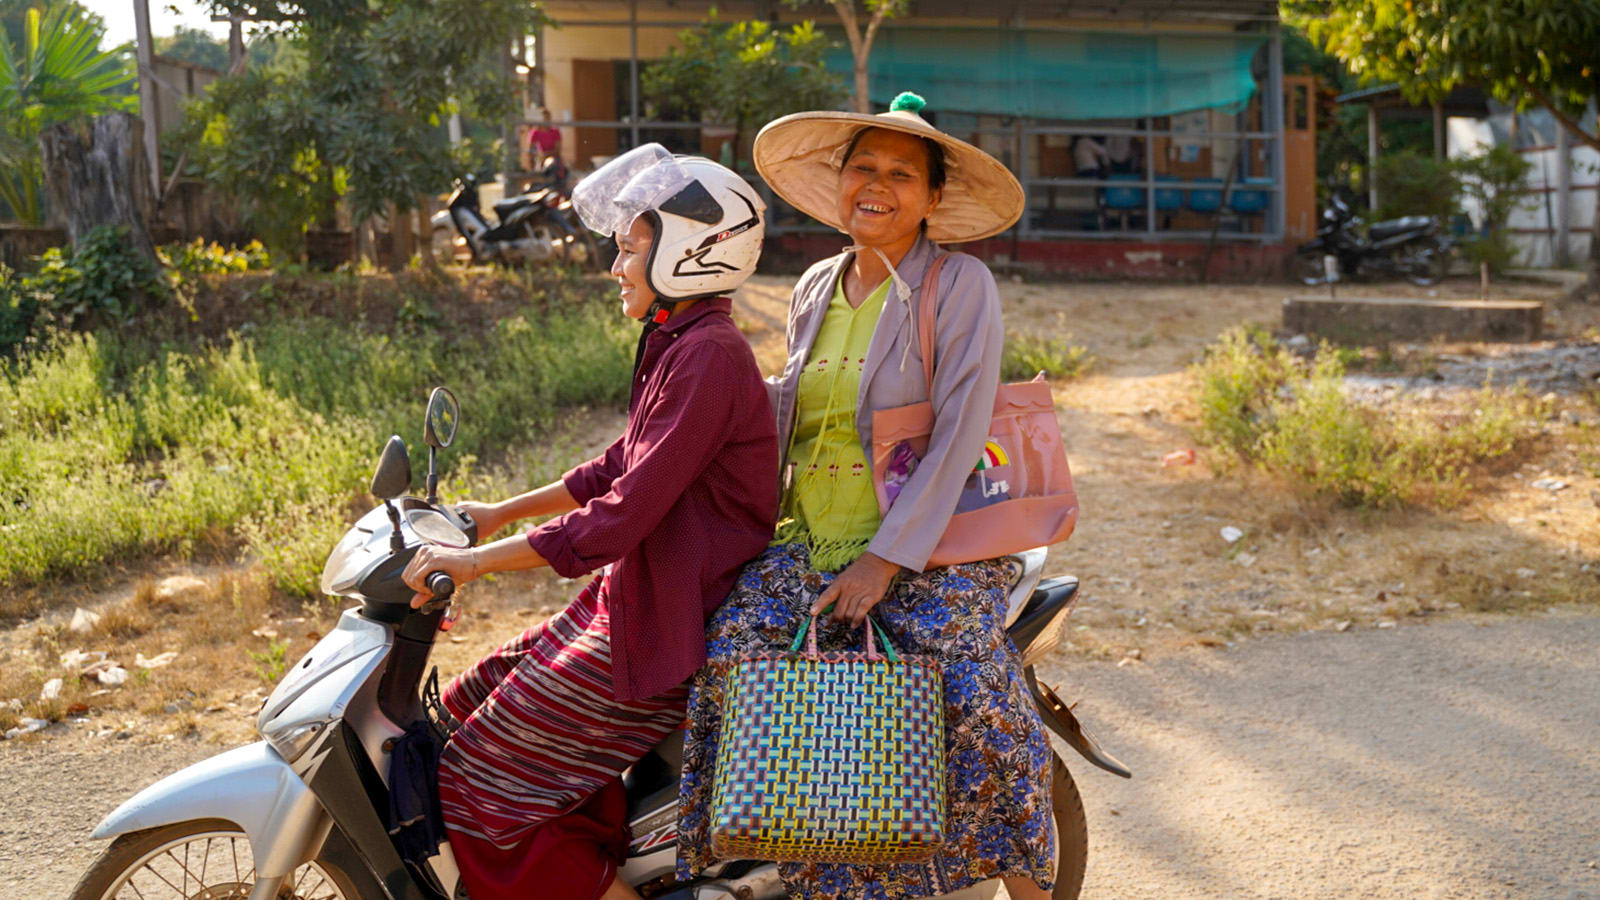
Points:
x=187 y=872
x=151 y=869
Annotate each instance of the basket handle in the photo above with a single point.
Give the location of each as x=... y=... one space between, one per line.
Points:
x=808 y=635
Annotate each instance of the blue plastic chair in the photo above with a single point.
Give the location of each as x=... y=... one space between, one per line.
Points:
x=1168 y=199
x=1205 y=200
x=1248 y=202
x=1124 y=198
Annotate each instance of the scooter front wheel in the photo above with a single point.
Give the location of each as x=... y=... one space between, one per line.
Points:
x=208 y=858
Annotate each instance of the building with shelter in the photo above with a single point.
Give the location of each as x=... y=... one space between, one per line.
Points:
x=1148 y=135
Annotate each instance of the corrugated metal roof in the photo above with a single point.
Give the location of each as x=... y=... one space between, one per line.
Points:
x=998 y=12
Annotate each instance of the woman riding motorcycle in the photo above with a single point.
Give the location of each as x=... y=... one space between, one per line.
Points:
x=668 y=513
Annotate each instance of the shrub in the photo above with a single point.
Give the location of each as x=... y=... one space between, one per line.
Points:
x=1262 y=405
x=1027 y=355
x=17 y=311
x=101 y=280
x=200 y=258
x=1411 y=184
x=1493 y=180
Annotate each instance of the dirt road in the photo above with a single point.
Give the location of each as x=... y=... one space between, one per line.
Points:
x=1439 y=761
x=1449 y=761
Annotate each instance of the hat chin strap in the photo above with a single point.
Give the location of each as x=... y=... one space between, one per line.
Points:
x=901 y=290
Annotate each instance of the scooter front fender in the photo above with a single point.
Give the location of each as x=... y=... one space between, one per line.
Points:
x=250 y=786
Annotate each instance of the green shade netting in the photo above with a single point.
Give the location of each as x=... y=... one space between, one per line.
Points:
x=1058 y=75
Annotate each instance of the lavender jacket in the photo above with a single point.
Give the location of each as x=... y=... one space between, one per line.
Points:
x=966 y=375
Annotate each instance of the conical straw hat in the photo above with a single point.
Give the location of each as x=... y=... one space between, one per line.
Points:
x=800 y=154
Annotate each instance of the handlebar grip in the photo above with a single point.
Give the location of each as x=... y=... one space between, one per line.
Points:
x=441 y=584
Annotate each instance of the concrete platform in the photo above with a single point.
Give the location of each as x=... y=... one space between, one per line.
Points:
x=1370 y=319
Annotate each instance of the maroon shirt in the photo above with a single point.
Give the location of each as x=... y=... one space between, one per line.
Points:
x=679 y=503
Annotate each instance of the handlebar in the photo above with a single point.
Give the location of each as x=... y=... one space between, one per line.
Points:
x=442 y=586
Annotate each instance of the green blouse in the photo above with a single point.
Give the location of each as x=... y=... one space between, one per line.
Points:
x=829 y=503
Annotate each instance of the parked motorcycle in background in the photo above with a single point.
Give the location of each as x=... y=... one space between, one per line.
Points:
x=1411 y=247
x=330 y=804
x=534 y=227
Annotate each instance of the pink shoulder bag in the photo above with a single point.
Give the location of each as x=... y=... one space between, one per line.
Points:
x=1019 y=494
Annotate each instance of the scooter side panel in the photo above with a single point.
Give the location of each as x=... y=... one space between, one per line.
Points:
x=250 y=786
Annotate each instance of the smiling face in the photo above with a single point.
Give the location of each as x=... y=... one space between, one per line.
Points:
x=884 y=193
x=633 y=249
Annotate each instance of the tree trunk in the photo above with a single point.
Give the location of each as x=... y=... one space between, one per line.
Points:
x=425 y=235
x=400 y=243
x=862 y=98
x=104 y=180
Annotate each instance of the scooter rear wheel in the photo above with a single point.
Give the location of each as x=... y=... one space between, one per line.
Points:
x=202 y=858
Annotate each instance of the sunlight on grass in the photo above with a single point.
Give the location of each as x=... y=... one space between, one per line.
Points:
x=1262 y=405
x=111 y=448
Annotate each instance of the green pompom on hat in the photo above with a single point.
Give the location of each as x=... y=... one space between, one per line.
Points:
x=906 y=101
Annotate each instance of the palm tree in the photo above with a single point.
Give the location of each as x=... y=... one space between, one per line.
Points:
x=59 y=75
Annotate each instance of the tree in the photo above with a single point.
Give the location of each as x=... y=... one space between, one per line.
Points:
x=351 y=108
x=194 y=46
x=1525 y=52
x=742 y=74
x=861 y=41
x=59 y=74
x=14 y=16
x=199 y=47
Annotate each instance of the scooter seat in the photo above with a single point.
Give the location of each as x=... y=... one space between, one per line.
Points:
x=1391 y=227
x=510 y=205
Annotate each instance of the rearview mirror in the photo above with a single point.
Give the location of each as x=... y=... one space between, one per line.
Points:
x=393 y=477
x=444 y=414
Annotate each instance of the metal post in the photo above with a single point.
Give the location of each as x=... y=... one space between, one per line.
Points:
x=1563 y=255
x=1275 y=122
x=1372 y=157
x=148 y=109
x=1438 y=130
x=1149 y=184
x=633 y=69
x=1025 y=225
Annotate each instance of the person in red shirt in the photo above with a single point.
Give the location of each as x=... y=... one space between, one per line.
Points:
x=669 y=513
x=544 y=140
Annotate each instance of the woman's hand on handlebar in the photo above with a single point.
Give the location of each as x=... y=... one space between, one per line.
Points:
x=856 y=590
x=460 y=565
x=489 y=516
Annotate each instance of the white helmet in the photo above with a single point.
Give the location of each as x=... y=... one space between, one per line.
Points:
x=709 y=222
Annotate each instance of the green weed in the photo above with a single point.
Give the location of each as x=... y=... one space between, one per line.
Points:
x=271 y=662
x=111 y=447
x=1026 y=355
x=1262 y=405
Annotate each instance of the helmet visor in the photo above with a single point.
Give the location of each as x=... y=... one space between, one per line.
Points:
x=642 y=179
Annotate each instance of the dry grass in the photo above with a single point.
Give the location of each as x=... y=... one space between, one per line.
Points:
x=1157 y=577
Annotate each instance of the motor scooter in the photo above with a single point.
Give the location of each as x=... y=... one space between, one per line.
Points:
x=1410 y=247
x=318 y=808
x=532 y=227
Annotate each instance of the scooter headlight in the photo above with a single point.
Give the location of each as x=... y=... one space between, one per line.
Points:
x=295 y=740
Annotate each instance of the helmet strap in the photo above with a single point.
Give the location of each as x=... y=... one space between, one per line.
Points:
x=654 y=318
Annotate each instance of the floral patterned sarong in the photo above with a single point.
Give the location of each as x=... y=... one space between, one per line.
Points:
x=998 y=811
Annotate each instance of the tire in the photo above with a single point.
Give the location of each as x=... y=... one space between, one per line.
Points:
x=1308 y=268
x=1072 y=832
x=1422 y=264
x=444 y=246
x=550 y=237
x=208 y=858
